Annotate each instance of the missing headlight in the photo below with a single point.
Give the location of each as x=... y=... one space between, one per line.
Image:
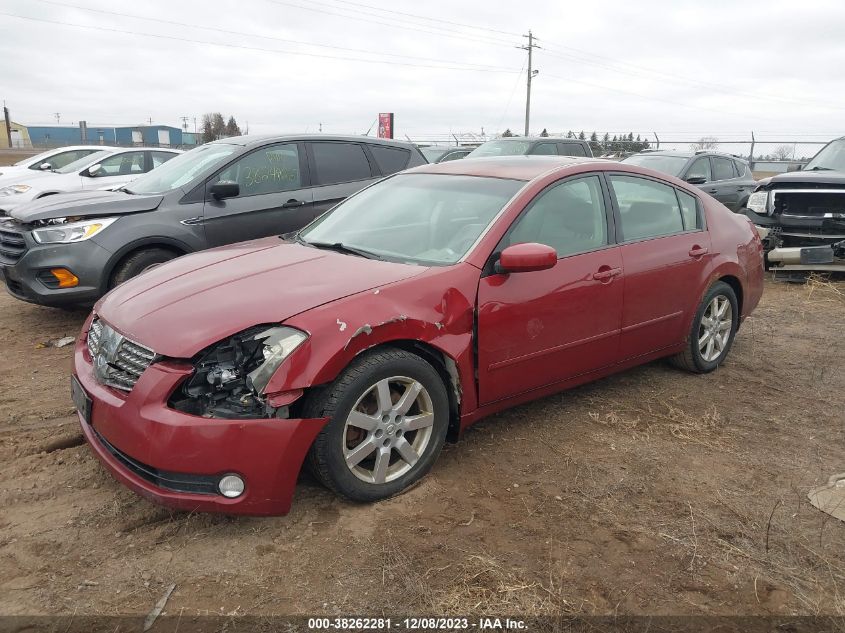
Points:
x=229 y=377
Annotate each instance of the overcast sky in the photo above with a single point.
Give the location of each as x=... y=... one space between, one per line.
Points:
x=685 y=68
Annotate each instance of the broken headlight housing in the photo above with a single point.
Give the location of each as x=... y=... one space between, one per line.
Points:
x=229 y=378
x=759 y=202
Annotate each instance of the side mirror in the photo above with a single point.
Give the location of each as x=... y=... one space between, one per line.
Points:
x=526 y=258
x=225 y=189
x=794 y=168
x=696 y=180
x=93 y=170
x=45 y=167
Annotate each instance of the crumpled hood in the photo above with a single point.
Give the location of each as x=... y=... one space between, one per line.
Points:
x=181 y=307
x=84 y=203
x=811 y=178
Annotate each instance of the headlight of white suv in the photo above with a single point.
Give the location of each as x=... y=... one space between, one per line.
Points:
x=13 y=189
x=759 y=202
x=71 y=232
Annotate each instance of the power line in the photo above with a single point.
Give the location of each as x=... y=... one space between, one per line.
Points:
x=642 y=71
x=422 y=17
x=642 y=96
x=399 y=22
x=463 y=37
x=255 y=48
x=252 y=35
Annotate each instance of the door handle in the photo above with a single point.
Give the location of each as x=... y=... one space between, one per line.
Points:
x=606 y=274
x=698 y=251
x=292 y=204
x=712 y=191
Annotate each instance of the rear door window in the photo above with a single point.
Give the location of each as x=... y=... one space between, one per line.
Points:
x=390 y=159
x=340 y=162
x=722 y=168
x=647 y=208
x=571 y=149
x=159 y=158
x=545 y=149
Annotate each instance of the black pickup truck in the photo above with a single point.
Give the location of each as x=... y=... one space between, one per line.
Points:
x=802 y=210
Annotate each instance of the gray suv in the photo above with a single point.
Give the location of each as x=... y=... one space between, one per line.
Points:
x=70 y=249
x=532 y=146
x=727 y=178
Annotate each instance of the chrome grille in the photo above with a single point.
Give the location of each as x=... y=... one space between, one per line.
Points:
x=118 y=362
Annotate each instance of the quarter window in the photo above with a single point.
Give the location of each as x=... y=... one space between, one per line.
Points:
x=740 y=168
x=340 y=162
x=700 y=169
x=267 y=170
x=723 y=169
x=689 y=211
x=647 y=208
x=569 y=217
x=390 y=159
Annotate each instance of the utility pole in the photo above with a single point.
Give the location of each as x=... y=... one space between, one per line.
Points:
x=8 y=124
x=58 y=116
x=150 y=120
x=531 y=73
x=184 y=123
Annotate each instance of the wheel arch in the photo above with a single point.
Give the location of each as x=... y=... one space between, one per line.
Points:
x=736 y=285
x=168 y=243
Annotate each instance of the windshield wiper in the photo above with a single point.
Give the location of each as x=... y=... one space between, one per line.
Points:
x=125 y=190
x=341 y=248
x=817 y=168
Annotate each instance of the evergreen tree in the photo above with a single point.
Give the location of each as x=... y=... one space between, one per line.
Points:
x=507 y=133
x=232 y=128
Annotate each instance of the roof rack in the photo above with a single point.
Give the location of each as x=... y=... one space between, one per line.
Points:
x=715 y=151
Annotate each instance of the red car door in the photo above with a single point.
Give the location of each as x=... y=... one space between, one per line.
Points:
x=542 y=327
x=665 y=253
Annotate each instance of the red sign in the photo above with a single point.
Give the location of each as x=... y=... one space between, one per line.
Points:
x=385 y=125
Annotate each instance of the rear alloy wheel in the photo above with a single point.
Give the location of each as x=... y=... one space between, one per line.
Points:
x=713 y=330
x=389 y=414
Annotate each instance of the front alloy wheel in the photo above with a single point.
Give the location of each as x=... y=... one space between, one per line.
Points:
x=388 y=429
x=388 y=416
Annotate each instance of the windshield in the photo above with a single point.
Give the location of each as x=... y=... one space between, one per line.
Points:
x=81 y=163
x=415 y=218
x=672 y=165
x=500 y=148
x=182 y=169
x=832 y=156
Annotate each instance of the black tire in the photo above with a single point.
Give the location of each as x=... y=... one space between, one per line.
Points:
x=691 y=358
x=336 y=401
x=138 y=262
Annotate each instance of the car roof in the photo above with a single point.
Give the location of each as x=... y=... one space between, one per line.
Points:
x=531 y=139
x=253 y=140
x=513 y=167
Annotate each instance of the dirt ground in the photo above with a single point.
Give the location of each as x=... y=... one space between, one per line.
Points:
x=651 y=492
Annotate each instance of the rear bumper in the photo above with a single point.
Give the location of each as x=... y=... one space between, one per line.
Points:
x=148 y=446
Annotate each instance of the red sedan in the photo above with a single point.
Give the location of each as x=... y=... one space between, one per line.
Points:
x=410 y=311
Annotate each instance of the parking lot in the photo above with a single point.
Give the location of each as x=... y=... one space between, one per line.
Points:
x=653 y=491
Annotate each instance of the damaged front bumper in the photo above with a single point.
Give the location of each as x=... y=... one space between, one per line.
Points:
x=785 y=237
x=177 y=459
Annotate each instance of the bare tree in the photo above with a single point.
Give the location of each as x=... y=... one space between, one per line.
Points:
x=782 y=152
x=705 y=142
